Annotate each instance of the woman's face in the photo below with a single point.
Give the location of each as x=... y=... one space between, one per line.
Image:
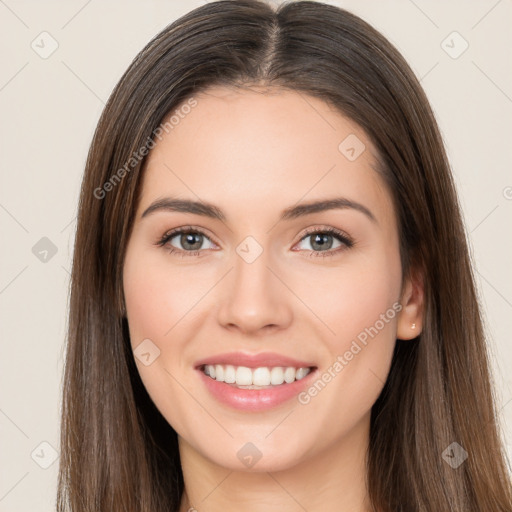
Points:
x=257 y=287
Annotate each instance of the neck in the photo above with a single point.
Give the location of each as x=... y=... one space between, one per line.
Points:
x=329 y=481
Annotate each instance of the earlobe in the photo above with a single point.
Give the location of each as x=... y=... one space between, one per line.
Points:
x=410 y=319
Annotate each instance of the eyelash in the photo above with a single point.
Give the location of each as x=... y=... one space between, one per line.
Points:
x=340 y=235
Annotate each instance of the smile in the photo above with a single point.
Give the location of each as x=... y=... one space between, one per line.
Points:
x=254 y=378
x=255 y=389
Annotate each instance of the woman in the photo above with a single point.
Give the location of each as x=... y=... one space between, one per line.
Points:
x=253 y=369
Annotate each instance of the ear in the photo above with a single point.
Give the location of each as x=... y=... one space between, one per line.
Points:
x=410 y=318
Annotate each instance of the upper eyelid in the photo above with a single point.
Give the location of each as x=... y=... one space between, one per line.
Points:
x=328 y=229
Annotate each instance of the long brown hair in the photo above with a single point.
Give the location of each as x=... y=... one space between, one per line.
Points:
x=118 y=453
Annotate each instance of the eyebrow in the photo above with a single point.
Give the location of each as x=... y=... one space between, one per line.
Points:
x=293 y=212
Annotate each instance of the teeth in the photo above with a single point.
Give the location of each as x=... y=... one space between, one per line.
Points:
x=289 y=375
x=219 y=372
x=243 y=376
x=230 y=375
x=261 y=377
x=277 y=376
x=253 y=378
x=301 y=373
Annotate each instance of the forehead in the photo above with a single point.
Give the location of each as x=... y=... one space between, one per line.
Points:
x=255 y=147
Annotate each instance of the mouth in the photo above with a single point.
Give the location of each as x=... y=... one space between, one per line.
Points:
x=254 y=383
x=264 y=377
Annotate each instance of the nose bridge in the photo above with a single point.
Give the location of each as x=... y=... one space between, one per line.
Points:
x=255 y=297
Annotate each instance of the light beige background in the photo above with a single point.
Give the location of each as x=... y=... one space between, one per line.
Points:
x=49 y=109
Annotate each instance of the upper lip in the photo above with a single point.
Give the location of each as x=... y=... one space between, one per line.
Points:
x=262 y=359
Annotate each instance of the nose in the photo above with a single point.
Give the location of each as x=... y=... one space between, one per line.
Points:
x=254 y=299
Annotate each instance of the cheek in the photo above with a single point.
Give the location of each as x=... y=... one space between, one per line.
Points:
x=359 y=304
x=362 y=310
x=158 y=297
x=144 y=304
x=365 y=307
x=157 y=300
x=354 y=297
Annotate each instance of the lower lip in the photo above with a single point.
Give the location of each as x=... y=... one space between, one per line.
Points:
x=255 y=399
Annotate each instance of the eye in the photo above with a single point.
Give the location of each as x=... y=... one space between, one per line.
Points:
x=321 y=241
x=191 y=240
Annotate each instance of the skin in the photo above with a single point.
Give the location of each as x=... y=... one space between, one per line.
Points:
x=286 y=301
